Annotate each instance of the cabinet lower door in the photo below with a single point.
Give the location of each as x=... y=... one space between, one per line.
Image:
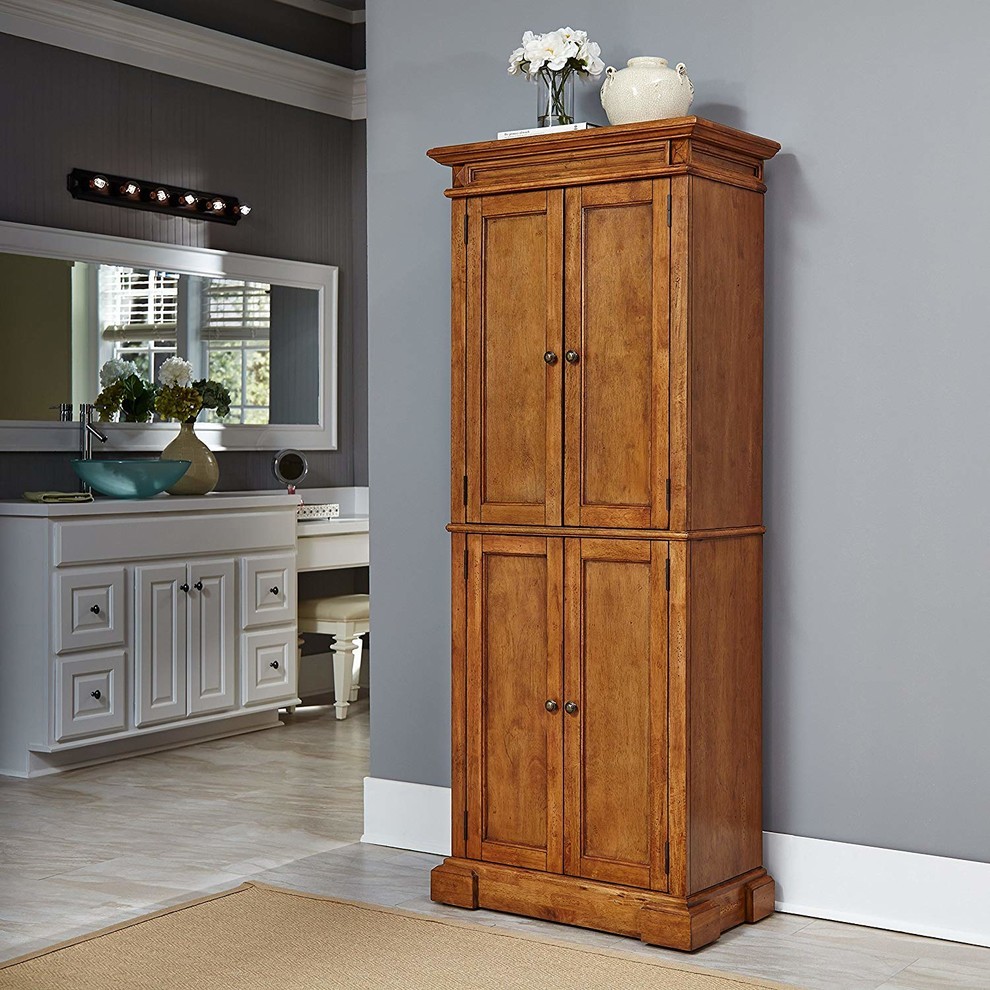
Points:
x=514 y=364
x=514 y=667
x=616 y=332
x=615 y=743
x=160 y=612
x=212 y=638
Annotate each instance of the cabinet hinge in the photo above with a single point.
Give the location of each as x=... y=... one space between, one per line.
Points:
x=466 y=225
x=668 y=494
x=465 y=565
x=464 y=490
x=667 y=577
x=668 y=209
x=666 y=857
x=465 y=826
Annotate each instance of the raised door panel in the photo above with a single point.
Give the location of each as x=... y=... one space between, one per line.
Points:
x=514 y=667
x=90 y=695
x=90 y=608
x=160 y=635
x=269 y=665
x=615 y=738
x=268 y=589
x=514 y=317
x=616 y=340
x=212 y=637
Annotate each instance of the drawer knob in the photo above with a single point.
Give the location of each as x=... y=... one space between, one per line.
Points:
x=274 y=590
x=551 y=705
x=95 y=609
x=550 y=357
x=571 y=357
x=198 y=585
x=274 y=664
x=184 y=587
x=570 y=707
x=96 y=694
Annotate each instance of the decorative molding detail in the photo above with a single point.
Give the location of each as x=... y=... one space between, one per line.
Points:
x=407 y=816
x=326 y=9
x=133 y=36
x=862 y=885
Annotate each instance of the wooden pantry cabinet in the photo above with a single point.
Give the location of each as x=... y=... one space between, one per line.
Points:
x=606 y=527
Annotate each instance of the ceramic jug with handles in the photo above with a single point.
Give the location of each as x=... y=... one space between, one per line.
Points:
x=647 y=89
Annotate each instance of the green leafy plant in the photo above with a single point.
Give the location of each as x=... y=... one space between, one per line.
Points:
x=125 y=393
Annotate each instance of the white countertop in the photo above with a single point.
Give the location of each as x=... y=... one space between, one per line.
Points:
x=215 y=502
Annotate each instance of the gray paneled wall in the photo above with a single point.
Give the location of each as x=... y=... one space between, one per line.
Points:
x=301 y=171
x=878 y=550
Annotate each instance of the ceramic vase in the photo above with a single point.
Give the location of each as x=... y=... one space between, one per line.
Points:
x=203 y=473
x=647 y=89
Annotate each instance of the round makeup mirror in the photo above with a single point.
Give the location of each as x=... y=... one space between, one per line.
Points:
x=290 y=466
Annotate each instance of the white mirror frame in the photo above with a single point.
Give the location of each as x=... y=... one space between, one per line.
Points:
x=74 y=245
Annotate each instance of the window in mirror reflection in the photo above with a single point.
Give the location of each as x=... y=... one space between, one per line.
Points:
x=220 y=325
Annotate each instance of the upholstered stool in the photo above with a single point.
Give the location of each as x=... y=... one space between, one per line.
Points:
x=346 y=618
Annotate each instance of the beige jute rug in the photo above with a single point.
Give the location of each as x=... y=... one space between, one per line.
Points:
x=257 y=937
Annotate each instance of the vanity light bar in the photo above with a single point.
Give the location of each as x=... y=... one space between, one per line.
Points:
x=120 y=190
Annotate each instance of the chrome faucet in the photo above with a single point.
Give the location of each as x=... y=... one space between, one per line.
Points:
x=87 y=431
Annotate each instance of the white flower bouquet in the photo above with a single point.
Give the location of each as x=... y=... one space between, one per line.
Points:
x=553 y=59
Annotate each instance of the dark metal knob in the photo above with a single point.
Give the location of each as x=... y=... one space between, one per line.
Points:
x=572 y=357
x=198 y=585
x=570 y=707
x=274 y=664
x=551 y=705
x=274 y=590
x=96 y=694
x=550 y=357
x=184 y=587
x=95 y=609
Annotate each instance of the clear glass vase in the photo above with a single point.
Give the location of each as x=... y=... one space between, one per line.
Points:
x=554 y=97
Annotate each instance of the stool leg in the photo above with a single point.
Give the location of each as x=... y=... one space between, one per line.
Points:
x=356 y=672
x=343 y=670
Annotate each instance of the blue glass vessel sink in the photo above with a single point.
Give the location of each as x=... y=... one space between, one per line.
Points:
x=140 y=477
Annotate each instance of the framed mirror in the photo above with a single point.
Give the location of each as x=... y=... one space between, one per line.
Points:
x=266 y=328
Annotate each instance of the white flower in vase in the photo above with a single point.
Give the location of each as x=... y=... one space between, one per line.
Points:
x=175 y=372
x=115 y=369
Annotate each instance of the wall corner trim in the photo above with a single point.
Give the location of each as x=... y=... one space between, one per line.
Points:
x=407 y=816
x=862 y=885
x=134 y=36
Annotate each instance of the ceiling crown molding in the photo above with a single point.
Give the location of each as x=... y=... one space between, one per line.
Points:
x=137 y=37
x=326 y=9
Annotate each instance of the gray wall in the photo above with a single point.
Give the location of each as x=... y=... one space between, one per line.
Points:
x=301 y=171
x=877 y=346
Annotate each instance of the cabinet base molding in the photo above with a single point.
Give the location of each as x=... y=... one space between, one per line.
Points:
x=41 y=764
x=686 y=923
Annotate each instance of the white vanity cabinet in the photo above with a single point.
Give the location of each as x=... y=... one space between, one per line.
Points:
x=128 y=626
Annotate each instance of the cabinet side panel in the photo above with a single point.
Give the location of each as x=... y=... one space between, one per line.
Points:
x=725 y=724
x=458 y=359
x=725 y=327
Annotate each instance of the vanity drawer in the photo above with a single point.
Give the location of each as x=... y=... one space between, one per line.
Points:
x=268 y=589
x=269 y=665
x=90 y=695
x=89 y=608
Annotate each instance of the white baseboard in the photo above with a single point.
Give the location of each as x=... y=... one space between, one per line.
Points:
x=881 y=888
x=407 y=816
x=863 y=885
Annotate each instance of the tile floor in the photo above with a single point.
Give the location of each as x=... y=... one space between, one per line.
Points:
x=94 y=847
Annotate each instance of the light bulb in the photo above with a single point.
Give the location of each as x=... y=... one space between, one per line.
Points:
x=159 y=195
x=244 y=209
x=130 y=189
x=217 y=206
x=99 y=183
x=187 y=199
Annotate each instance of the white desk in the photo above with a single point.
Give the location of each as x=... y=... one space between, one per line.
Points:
x=330 y=544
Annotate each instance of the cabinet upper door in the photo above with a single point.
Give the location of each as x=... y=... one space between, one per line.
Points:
x=514 y=320
x=616 y=342
x=514 y=667
x=615 y=721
